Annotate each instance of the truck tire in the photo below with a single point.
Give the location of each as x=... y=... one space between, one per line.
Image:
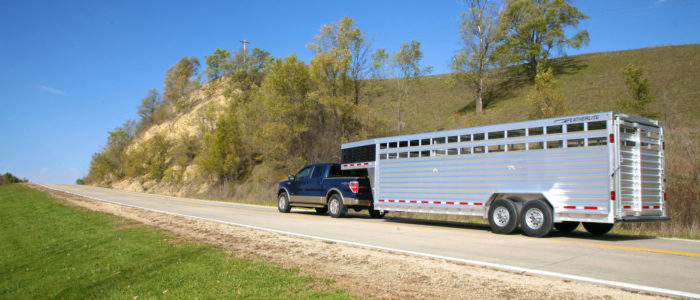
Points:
x=283 y=203
x=335 y=207
x=597 y=228
x=503 y=216
x=321 y=210
x=566 y=226
x=536 y=218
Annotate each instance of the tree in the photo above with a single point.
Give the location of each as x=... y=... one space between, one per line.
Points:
x=285 y=113
x=341 y=57
x=546 y=100
x=533 y=28
x=159 y=160
x=407 y=64
x=379 y=67
x=180 y=79
x=249 y=69
x=639 y=89
x=149 y=104
x=222 y=151
x=218 y=64
x=479 y=34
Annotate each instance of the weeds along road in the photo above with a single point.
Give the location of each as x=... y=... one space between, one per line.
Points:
x=657 y=265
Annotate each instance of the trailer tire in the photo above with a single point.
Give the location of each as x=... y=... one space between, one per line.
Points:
x=321 y=210
x=283 y=203
x=566 y=226
x=336 y=208
x=536 y=218
x=503 y=216
x=597 y=228
x=377 y=214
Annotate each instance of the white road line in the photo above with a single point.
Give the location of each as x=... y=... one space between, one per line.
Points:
x=519 y=270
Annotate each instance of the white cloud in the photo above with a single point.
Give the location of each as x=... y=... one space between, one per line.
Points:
x=51 y=90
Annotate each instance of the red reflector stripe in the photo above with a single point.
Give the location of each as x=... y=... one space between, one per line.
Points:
x=590 y=207
x=657 y=207
x=478 y=203
x=450 y=203
x=402 y=201
x=366 y=164
x=414 y=201
x=381 y=200
x=627 y=206
x=569 y=207
x=437 y=202
x=392 y=200
x=345 y=165
x=464 y=203
x=645 y=207
x=425 y=202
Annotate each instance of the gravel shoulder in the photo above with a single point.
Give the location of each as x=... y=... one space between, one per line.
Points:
x=364 y=272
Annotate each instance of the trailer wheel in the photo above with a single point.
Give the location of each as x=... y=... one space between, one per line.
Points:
x=503 y=216
x=336 y=207
x=377 y=214
x=283 y=203
x=566 y=226
x=321 y=210
x=597 y=228
x=536 y=218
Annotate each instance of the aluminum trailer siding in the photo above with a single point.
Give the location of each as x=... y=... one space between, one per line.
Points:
x=596 y=168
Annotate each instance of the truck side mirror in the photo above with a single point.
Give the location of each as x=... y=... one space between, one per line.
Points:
x=291 y=177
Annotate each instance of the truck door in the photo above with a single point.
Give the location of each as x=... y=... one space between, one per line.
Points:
x=314 y=186
x=298 y=186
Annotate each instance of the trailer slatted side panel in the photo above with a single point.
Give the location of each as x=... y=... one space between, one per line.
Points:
x=576 y=180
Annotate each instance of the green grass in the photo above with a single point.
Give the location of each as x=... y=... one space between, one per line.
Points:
x=50 y=250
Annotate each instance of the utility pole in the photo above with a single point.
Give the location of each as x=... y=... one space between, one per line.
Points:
x=245 y=53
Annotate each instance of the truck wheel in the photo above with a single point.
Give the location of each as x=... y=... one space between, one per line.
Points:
x=597 y=228
x=377 y=214
x=336 y=207
x=283 y=203
x=321 y=210
x=503 y=216
x=566 y=226
x=536 y=218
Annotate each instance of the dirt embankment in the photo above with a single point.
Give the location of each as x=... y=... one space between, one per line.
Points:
x=364 y=272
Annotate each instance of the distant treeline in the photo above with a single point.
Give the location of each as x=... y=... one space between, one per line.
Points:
x=8 y=178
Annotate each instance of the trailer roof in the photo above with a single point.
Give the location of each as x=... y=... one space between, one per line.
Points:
x=560 y=120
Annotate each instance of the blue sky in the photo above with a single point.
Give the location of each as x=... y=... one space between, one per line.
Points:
x=70 y=71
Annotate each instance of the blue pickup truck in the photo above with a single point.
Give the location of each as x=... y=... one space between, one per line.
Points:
x=328 y=189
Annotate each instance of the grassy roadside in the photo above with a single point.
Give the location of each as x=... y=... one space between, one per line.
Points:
x=50 y=250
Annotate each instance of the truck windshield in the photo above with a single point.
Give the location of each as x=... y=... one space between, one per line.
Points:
x=337 y=172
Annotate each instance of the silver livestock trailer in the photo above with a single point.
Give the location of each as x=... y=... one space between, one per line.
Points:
x=598 y=169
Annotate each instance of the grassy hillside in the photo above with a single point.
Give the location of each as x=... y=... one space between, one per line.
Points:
x=591 y=82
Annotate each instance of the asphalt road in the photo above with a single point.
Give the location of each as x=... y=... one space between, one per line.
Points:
x=658 y=265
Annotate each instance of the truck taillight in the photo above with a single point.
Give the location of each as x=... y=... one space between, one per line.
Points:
x=354 y=186
x=612 y=195
x=612 y=138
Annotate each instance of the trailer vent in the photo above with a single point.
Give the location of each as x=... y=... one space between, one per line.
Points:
x=358 y=154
